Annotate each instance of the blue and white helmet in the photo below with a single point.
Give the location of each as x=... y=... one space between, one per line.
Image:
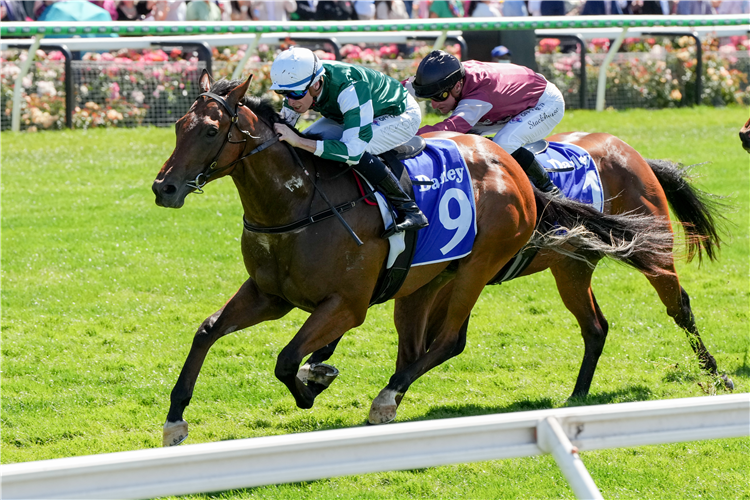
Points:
x=296 y=68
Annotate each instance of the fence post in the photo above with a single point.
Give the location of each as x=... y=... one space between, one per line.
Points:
x=602 y=84
x=440 y=42
x=69 y=92
x=16 y=116
x=551 y=439
x=248 y=52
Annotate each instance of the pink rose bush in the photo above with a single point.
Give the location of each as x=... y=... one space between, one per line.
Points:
x=152 y=87
x=654 y=72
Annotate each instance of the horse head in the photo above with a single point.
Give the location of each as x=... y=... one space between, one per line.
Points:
x=212 y=135
x=745 y=136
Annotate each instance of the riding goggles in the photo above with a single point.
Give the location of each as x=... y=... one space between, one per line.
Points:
x=293 y=94
x=441 y=96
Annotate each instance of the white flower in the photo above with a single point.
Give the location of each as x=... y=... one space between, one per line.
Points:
x=10 y=70
x=46 y=88
x=657 y=50
x=138 y=96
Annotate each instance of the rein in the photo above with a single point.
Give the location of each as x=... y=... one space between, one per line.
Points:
x=211 y=170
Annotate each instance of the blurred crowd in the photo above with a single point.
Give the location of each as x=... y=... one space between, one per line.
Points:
x=320 y=10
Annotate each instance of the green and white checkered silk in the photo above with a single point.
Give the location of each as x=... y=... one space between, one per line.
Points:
x=353 y=96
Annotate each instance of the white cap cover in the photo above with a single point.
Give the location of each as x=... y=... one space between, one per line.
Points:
x=294 y=69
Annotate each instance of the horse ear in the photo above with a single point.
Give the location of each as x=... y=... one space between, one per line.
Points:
x=205 y=81
x=238 y=92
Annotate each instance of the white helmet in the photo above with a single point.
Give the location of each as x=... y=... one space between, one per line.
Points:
x=295 y=69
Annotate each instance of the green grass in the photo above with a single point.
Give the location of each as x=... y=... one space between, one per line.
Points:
x=102 y=292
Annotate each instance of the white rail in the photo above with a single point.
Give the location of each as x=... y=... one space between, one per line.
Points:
x=309 y=456
x=29 y=29
x=147 y=42
x=611 y=33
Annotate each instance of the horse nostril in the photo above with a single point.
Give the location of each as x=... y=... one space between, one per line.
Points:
x=163 y=189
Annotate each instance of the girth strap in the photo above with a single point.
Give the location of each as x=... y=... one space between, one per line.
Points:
x=325 y=214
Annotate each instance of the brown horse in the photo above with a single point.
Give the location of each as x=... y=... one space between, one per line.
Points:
x=745 y=136
x=320 y=269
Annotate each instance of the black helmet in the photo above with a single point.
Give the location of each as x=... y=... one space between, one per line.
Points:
x=437 y=74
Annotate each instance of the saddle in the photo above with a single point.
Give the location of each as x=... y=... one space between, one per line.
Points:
x=537 y=147
x=409 y=149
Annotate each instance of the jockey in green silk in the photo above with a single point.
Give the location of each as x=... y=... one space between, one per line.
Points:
x=364 y=113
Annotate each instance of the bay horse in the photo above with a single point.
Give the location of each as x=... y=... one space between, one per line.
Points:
x=318 y=268
x=745 y=136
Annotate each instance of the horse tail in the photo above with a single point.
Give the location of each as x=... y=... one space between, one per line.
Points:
x=582 y=232
x=696 y=210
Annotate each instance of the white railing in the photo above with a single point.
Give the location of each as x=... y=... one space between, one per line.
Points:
x=316 y=455
x=57 y=28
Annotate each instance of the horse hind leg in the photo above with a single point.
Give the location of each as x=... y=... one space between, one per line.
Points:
x=573 y=280
x=247 y=307
x=677 y=302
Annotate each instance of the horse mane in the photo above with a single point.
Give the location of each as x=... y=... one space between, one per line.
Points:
x=261 y=106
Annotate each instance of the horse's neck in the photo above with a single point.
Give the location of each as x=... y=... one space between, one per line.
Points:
x=273 y=187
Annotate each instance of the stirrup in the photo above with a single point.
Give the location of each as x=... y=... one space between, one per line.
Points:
x=553 y=191
x=395 y=228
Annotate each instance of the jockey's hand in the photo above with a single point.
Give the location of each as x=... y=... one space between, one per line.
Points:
x=291 y=137
x=286 y=134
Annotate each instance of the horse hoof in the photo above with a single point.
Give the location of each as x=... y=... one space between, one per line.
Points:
x=383 y=408
x=174 y=433
x=322 y=374
x=728 y=383
x=382 y=415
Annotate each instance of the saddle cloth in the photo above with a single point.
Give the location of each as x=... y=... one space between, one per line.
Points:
x=447 y=201
x=573 y=170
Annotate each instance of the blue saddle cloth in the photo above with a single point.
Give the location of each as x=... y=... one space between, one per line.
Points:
x=448 y=203
x=573 y=170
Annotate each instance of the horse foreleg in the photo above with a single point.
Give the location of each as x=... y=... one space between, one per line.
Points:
x=327 y=323
x=247 y=307
x=573 y=280
x=677 y=302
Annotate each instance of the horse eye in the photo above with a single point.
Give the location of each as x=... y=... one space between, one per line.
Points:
x=212 y=131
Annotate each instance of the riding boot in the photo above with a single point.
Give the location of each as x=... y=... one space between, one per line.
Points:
x=536 y=173
x=409 y=216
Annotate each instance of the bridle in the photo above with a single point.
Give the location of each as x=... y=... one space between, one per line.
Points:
x=212 y=169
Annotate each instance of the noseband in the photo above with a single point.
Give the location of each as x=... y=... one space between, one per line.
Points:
x=212 y=169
